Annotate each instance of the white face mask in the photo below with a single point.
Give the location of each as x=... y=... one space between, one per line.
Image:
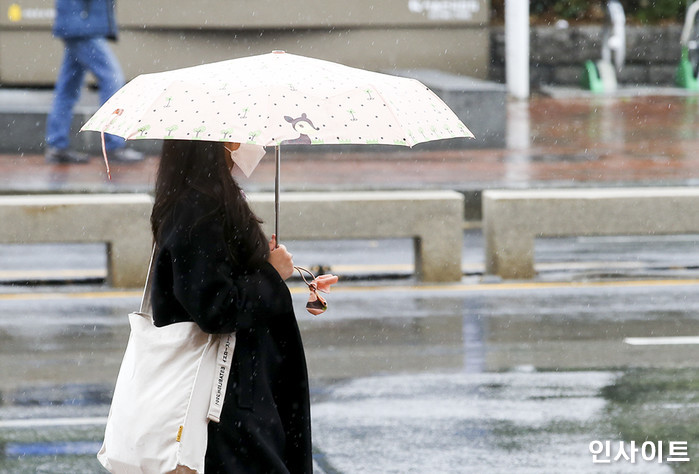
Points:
x=247 y=157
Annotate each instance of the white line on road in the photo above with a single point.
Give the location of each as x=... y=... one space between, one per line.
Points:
x=44 y=422
x=51 y=274
x=425 y=287
x=661 y=341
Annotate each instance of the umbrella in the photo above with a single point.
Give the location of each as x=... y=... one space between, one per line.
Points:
x=277 y=99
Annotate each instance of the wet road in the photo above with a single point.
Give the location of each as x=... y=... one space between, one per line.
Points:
x=477 y=376
x=458 y=374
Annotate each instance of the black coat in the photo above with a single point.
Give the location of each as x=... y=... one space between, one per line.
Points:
x=265 y=423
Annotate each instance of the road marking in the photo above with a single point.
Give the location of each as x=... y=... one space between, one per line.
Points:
x=14 y=275
x=47 y=422
x=662 y=341
x=449 y=287
x=71 y=296
x=51 y=274
x=408 y=268
x=385 y=268
x=428 y=287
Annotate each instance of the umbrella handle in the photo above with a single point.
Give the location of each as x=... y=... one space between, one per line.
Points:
x=277 y=181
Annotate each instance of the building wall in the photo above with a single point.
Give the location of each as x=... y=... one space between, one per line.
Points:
x=155 y=35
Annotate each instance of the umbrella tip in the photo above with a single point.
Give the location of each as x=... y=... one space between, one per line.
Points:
x=278 y=51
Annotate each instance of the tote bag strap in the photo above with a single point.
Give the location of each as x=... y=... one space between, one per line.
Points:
x=145 y=299
x=222 y=350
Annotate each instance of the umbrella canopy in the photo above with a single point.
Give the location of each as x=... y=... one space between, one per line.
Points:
x=274 y=99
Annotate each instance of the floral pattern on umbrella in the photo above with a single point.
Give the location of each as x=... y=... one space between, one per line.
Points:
x=278 y=98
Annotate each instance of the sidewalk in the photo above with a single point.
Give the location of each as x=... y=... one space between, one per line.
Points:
x=648 y=140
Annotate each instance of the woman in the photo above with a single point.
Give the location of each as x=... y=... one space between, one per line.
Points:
x=215 y=267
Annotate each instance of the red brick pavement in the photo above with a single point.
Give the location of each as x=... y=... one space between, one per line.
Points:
x=606 y=141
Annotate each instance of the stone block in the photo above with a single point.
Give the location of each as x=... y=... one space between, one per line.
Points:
x=587 y=44
x=433 y=219
x=633 y=74
x=565 y=46
x=122 y=221
x=662 y=74
x=653 y=44
x=541 y=75
x=568 y=75
x=557 y=53
x=550 y=45
x=512 y=219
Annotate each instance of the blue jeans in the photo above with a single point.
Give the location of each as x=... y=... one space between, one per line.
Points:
x=82 y=55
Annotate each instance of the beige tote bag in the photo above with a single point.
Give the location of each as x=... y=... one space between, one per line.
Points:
x=171 y=383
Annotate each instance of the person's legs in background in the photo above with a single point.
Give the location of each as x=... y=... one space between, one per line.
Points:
x=95 y=55
x=101 y=61
x=67 y=92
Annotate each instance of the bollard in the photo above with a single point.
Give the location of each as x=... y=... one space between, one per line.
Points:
x=601 y=76
x=686 y=75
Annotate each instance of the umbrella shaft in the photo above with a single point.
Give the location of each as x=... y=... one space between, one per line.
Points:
x=277 y=181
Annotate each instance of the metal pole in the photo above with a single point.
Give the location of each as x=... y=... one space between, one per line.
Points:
x=517 y=48
x=277 y=182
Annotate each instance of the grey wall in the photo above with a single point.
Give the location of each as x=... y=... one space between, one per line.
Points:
x=558 y=55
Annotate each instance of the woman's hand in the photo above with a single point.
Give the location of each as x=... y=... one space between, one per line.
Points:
x=280 y=259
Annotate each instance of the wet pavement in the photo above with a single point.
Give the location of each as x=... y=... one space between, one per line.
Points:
x=471 y=377
x=476 y=376
x=551 y=142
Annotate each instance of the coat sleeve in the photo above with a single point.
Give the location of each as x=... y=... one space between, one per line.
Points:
x=218 y=296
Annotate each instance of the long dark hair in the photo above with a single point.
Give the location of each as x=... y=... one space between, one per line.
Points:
x=201 y=165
